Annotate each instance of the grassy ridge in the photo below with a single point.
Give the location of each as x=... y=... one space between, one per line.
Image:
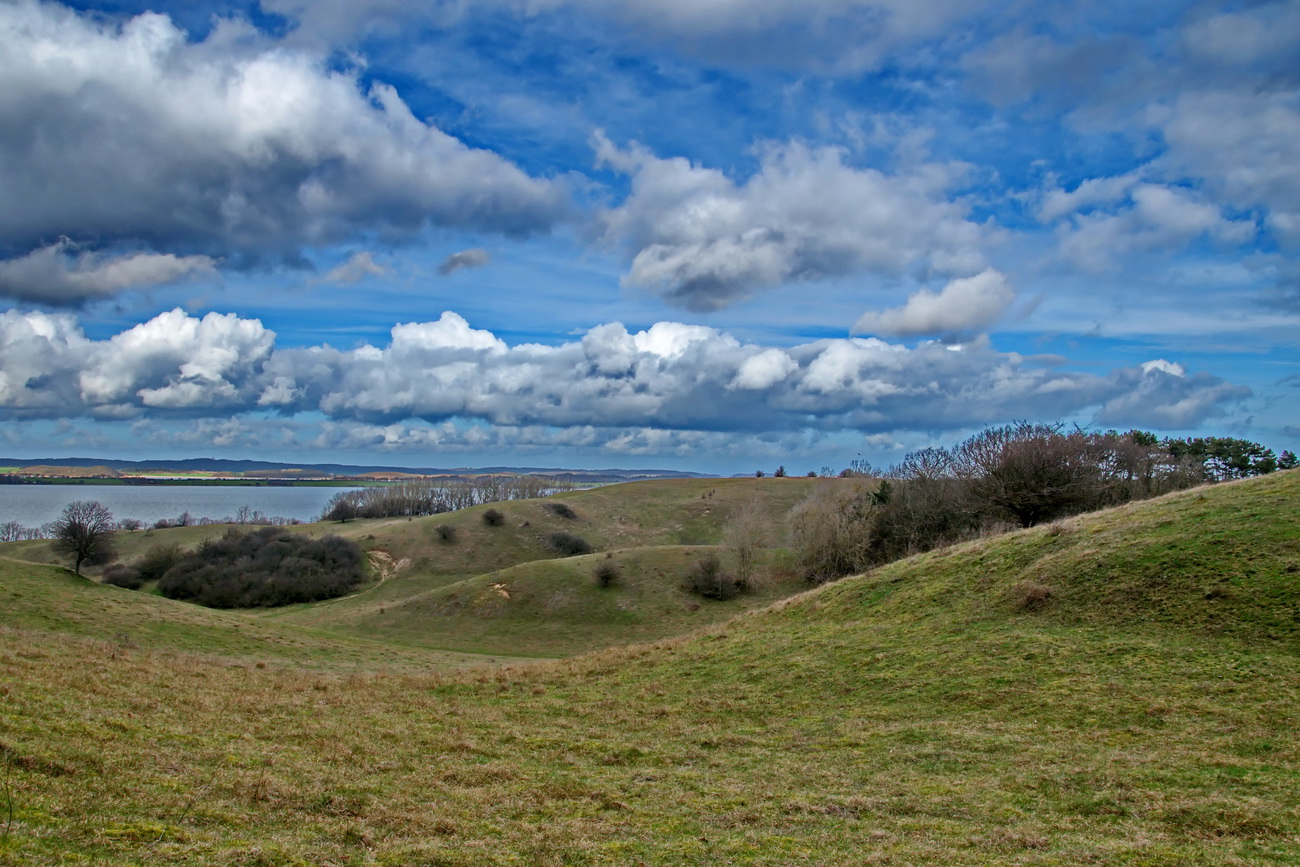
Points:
x=920 y=714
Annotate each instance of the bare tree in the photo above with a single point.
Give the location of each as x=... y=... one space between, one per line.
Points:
x=1032 y=472
x=85 y=532
x=745 y=533
x=831 y=531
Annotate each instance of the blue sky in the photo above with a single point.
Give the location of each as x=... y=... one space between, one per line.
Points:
x=706 y=234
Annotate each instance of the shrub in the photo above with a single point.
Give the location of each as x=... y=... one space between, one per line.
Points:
x=562 y=510
x=606 y=574
x=1030 y=595
x=567 y=544
x=267 y=567
x=122 y=575
x=493 y=518
x=707 y=579
x=831 y=531
x=445 y=533
x=157 y=560
x=745 y=533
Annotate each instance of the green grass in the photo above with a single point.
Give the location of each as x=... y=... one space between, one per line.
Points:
x=51 y=601
x=1141 y=715
x=548 y=607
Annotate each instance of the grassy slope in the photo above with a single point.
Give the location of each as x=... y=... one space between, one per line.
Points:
x=1146 y=715
x=554 y=607
x=552 y=600
x=52 y=600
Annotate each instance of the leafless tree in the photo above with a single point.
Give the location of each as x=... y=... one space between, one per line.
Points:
x=85 y=532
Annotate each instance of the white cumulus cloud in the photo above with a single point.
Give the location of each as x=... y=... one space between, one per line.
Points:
x=236 y=145
x=964 y=305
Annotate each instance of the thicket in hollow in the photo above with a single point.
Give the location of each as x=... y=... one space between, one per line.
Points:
x=267 y=567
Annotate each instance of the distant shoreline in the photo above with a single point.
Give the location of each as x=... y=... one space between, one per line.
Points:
x=195 y=481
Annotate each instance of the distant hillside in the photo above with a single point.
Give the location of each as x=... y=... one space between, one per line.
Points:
x=217 y=465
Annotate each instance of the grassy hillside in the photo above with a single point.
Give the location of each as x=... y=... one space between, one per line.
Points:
x=429 y=592
x=549 y=607
x=47 y=600
x=1118 y=689
x=442 y=595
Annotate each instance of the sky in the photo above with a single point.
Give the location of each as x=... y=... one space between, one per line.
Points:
x=708 y=235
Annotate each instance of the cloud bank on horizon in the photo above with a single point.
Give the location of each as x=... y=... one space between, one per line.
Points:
x=832 y=228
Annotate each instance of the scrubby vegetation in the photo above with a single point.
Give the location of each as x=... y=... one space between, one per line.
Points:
x=151 y=567
x=561 y=510
x=606 y=573
x=493 y=518
x=267 y=567
x=707 y=578
x=1020 y=475
x=567 y=544
x=434 y=496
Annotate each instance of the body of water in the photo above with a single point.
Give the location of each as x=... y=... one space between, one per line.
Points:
x=34 y=505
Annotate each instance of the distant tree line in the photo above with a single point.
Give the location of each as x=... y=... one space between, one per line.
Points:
x=1019 y=475
x=417 y=497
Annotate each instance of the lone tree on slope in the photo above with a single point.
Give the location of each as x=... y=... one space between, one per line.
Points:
x=85 y=532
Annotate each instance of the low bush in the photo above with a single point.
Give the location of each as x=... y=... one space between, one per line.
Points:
x=265 y=568
x=157 y=560
x=445 y=533
x=606 y=574
x=706 y=578
x=562 y=510
x=1031 y=596
x=493 y=518
x=122 y=575
x=567 y=544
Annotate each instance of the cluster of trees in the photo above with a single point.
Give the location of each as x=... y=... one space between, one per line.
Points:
x=1019 y=475
x=435 y=496
x=263 y=568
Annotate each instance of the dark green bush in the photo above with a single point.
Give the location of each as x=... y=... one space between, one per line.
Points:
x=562 y=510
x=567 y=544
x=493 y=518
x=122 y=575
x=157 y=560
x=445 y=533
x=706 y=578
x=606 y=573
x=267 y=567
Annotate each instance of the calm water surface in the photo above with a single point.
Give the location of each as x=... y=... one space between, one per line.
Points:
x=34 y=505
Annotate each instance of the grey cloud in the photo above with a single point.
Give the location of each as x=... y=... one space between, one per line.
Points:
x=670 y=377
x=1163 y=395
x=63 y=275
x=475 y=258
x=704 y=241
x=236 y=146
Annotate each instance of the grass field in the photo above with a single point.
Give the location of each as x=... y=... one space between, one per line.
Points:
x=1121 y=688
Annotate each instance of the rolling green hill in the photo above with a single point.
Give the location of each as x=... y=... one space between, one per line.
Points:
x=1120 y=688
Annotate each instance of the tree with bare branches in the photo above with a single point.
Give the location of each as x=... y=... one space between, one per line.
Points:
x=84 y=531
